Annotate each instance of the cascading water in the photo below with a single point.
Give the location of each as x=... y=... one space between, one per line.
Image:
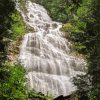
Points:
x=45 y=54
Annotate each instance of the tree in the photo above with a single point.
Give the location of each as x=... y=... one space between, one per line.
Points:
x=91 y=41
x=6 y=8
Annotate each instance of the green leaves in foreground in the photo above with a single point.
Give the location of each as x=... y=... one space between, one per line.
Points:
x=34 y=95
x=14 y=88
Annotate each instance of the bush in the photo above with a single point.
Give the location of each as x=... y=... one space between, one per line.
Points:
x=67 y=27
x=18 y=26
x=14 y=88
x=38 y=95
x=94 y=94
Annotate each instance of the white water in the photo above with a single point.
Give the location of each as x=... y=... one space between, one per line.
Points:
x=45 y=54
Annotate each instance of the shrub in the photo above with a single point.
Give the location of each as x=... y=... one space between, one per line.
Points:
x=18 y=26
x=14 y=88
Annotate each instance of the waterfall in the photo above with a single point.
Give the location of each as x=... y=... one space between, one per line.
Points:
x=46 y=54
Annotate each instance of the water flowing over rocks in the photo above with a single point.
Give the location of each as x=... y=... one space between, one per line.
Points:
x=45 y=54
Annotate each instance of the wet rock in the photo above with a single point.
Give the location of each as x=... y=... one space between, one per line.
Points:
x=63 y=97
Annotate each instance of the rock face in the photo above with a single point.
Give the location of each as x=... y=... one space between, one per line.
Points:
x=69 y=97
x=45 y=54
x=60 y=98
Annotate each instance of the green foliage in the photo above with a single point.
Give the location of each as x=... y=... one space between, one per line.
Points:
x=14 y=88
x=18 y=26
x=80 y=26
x=67 y=27
x=60 y=10
x=7 y=7
x=94 y=94
x=88 y=37
x=80 y=47
x=82 y=33
x=83 y=86
x=34 y=95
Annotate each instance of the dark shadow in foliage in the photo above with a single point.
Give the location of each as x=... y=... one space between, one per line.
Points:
x=63 y=97
x=83 y=83
x=6 y=8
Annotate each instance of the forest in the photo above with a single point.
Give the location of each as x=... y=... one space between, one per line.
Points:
x=81 y=21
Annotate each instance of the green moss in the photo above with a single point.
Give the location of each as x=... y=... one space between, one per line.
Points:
x=67 y=27
x=18 y=26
